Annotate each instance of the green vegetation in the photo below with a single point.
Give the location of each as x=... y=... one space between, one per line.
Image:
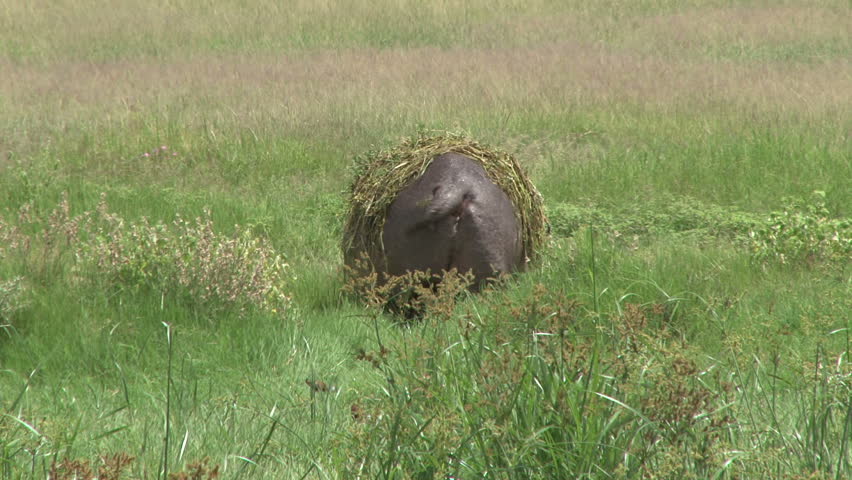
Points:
x=172 y=184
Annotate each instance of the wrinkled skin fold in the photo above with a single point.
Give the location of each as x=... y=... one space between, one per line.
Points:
x=453 y=216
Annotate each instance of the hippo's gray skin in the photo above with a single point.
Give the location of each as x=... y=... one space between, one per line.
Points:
x=453 y=216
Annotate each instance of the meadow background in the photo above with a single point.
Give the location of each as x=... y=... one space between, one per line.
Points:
x=172 y=185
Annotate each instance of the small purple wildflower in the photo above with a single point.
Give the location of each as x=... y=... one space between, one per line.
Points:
x=146 y=154
x=164 y=147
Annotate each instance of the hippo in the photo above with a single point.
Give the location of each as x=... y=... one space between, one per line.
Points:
x=453 y=216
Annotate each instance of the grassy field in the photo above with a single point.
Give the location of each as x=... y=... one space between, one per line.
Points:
x=172 y=185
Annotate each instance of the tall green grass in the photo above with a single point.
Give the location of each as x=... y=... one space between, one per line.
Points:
x=690 y=318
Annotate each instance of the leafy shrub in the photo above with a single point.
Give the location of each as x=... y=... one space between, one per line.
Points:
x=667 y=215
x=566 y=219
x=189 y=258
x=803 y=230
x=11 y=300
x=185 y=258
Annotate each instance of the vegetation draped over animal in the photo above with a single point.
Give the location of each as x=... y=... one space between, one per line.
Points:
x=380 y=175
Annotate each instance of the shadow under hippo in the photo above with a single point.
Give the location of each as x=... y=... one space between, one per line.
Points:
x=453 y=216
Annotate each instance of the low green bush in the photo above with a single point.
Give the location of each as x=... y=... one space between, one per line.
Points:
x=803 y=230
x=11 y=300
x=186 y=259
x=667 y=215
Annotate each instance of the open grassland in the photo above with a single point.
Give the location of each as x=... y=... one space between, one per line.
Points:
x=172 y=179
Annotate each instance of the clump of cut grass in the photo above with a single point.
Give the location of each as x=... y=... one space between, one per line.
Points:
x=381 y=175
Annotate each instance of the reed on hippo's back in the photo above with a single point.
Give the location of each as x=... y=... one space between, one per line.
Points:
x=395 y=216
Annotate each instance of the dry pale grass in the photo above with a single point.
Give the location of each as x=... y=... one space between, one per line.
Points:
x=369 y=82
x=529 y=58
x=45 y=31
x=686 y=33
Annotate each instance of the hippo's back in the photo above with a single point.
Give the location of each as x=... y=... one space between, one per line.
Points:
x=453 y=216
